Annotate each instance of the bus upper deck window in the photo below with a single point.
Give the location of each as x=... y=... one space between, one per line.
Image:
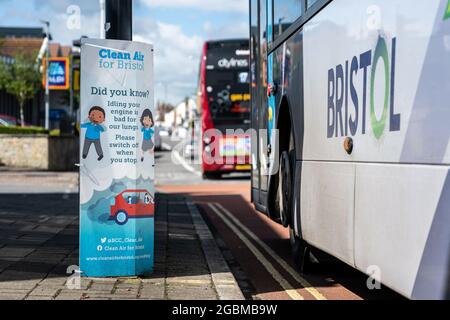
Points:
x=285 y=13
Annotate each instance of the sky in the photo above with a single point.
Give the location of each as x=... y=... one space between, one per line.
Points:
x=176 y=28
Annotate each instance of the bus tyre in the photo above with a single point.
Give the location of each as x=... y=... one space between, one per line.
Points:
x=121 y=218
x=285 y=188
x=211 y=175
x=301 y=252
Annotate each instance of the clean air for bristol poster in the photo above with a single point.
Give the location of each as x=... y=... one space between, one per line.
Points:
x=117 y=162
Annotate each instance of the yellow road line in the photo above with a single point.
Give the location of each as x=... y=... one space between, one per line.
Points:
x=313 y=291
x=269 y=267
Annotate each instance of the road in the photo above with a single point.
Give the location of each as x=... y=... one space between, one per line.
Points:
x=257 y=249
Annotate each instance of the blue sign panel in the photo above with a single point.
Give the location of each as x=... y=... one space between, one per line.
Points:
x=58 y=73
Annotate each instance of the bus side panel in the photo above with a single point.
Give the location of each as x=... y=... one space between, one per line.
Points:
x=400 y=208
x=363 y=63
x=327 y=198
x=395 y=206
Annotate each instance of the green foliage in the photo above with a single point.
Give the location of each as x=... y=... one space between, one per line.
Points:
x=3 y=75
x=21 y=79
x=22 y=130
x=55 y=133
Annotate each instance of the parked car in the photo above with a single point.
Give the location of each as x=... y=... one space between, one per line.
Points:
x=7 y=121
x=132 y=204
x=157 y=138
x=164 y=132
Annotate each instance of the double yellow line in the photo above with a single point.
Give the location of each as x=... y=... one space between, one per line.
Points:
x=245 y=235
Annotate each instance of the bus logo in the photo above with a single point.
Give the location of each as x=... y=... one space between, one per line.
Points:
x=342 y=93
x=447 y=11
x=232 y=63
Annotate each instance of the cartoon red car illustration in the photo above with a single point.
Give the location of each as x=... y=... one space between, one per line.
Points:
x=132 y=204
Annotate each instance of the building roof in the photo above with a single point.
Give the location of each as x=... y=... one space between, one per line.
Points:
x=27 y=41
x=12 y=32
x=65 y=51
x=11 y=47
x=55 y=50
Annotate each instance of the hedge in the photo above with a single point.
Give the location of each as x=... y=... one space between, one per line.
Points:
x=24 y=130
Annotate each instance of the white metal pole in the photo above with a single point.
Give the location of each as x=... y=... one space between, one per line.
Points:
x=47 y=90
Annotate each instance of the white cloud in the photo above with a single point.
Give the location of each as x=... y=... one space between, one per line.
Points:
x=177 y=54
x=177 y=51
x=87 y=6
x=58 y=17
x=89 y=26
x=226 y=31
x=240 y=6
x=176 y=58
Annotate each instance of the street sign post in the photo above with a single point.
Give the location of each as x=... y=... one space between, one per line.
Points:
x=117 y=162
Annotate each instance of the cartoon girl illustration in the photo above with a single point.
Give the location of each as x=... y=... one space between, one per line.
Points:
x=148 y=131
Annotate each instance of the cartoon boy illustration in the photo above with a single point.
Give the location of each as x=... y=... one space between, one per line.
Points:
x=148 y=131
x=93 y=130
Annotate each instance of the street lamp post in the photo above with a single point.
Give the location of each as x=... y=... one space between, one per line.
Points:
x=47 y=90
x=280 y=26
x=119 y=20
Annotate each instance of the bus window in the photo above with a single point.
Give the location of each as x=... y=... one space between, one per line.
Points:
x=227 y=86
x=244 y=77
x=285 y=13
x=310 y=3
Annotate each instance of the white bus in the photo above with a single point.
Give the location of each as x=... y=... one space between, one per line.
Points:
x=359 y=91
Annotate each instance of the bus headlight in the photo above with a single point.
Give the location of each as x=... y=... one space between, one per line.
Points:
x=207 y=140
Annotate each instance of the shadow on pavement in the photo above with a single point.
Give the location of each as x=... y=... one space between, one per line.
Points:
x=39 y=237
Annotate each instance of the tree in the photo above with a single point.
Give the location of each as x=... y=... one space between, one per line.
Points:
x=163 y=108
x=21 y=79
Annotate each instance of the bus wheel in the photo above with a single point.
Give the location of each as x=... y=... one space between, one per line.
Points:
x=301 y=252
x=285 y=188
x=211 y=175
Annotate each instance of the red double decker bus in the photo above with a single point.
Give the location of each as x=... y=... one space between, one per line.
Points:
x=224 y=104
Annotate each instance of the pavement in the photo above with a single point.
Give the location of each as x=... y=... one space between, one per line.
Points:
x=39 y=231
x=20 y=181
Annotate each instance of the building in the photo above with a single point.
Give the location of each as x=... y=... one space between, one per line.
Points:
x=185 y=112
x=17 y=33
x=12 y=42
x=29 y=41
